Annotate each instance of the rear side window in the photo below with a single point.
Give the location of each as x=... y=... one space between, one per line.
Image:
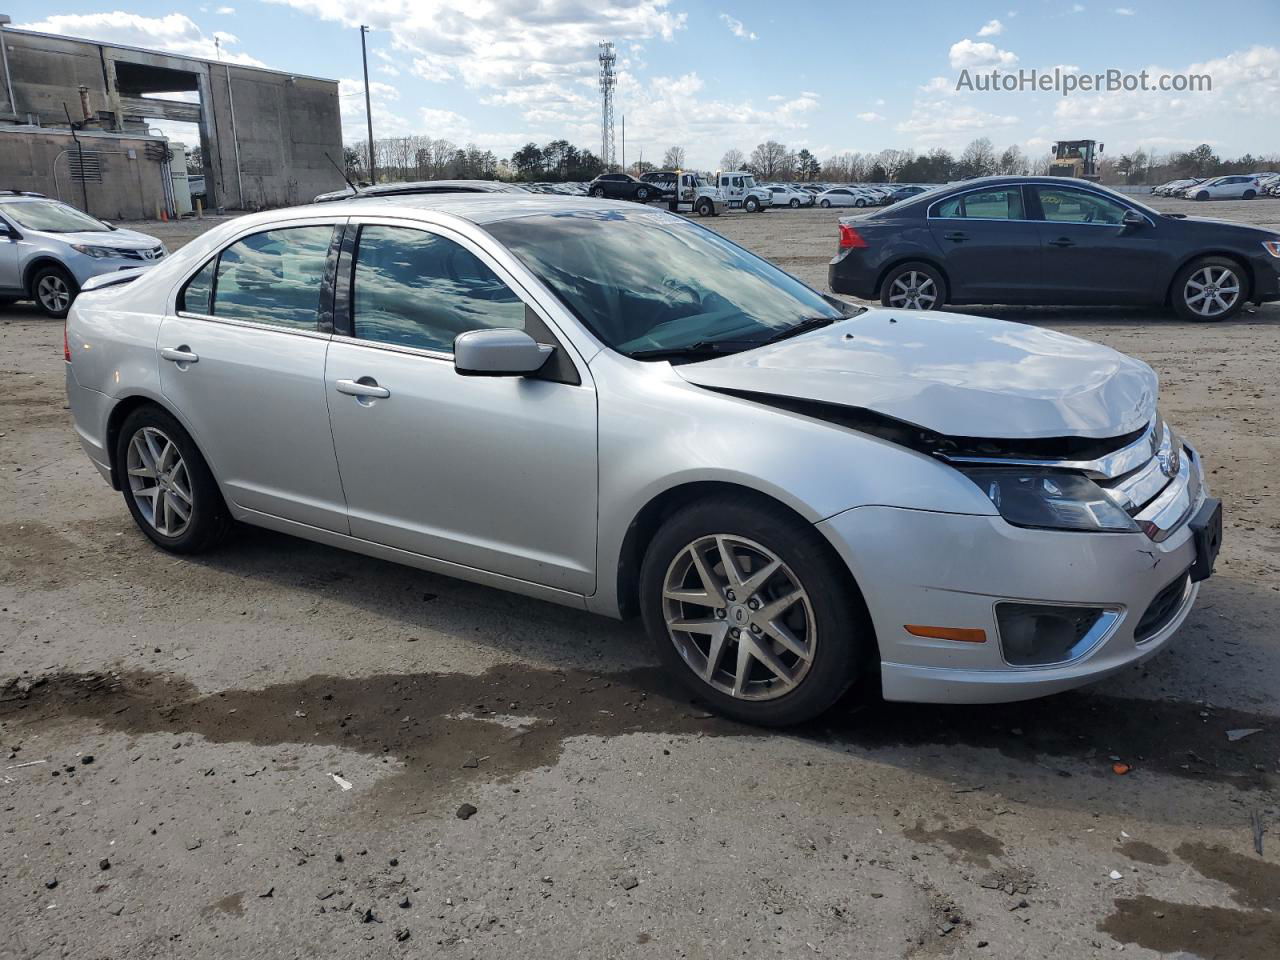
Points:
x=417 y=289
x=273 y=277
x=1005 y=204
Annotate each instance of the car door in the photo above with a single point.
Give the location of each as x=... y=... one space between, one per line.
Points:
x=242 y=363
x=1088 y=254
x=491 y=473
x=990 y=250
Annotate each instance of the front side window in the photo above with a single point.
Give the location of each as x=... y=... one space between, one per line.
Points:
x=273 y=277
x=1064 y=205
x=417 y=289
x=1002 y=204
x=646 y=280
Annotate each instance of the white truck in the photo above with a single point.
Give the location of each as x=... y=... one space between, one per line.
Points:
x=684 y=190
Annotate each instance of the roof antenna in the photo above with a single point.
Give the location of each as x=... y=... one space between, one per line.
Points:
x=342 y=173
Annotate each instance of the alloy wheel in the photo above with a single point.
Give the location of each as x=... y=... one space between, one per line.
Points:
x=158 y=481
x=53 y=293
x=739 y=617
x=1212 y=291
x=913 y=290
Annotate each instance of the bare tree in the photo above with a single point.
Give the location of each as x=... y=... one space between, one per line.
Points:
x=978 y=159
x=732 y=160
x=673 y=159
x=767 y=158
x=1012 y=161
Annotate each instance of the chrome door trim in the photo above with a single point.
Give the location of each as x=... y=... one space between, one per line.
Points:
x=252 y=324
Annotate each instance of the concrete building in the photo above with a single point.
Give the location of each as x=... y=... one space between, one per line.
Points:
x=263 y=134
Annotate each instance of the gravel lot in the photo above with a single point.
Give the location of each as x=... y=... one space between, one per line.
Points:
x=175 y=731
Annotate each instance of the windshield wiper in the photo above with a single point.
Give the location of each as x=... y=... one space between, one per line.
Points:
x=700 y=348
x=804 y=326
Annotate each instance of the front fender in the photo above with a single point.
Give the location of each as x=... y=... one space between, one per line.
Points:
x=658 y=432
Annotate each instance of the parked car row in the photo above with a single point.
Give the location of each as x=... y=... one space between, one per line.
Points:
x=952 y=508
x=1229 y=187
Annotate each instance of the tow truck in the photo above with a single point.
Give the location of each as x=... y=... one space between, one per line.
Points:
x=686 y=191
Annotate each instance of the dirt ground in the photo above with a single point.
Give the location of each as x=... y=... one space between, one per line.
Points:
x=263 y=752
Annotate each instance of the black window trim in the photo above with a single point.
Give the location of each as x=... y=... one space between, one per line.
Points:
x=1029 y=196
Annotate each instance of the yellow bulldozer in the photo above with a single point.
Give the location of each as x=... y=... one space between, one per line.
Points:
x=1076 y=158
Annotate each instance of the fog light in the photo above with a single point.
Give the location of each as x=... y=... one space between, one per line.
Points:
x=1036 y=634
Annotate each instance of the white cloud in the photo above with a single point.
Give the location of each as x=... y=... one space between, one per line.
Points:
x=968 y=53
x=175 y=32
x=1245 y=96
x=869 y=117
x=1077 y=8
x=992 y=28
x=935 y=121
x=225 y=11
x=737 y=27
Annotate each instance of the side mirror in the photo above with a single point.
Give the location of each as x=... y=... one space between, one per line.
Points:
x=498 y=353
x=1132 y=218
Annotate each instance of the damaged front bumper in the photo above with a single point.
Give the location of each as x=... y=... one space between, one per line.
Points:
x=921 y=567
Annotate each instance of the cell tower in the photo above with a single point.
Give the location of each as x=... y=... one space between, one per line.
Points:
x=608 y=80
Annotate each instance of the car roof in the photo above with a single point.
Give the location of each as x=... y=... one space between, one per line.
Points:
x=478 y=208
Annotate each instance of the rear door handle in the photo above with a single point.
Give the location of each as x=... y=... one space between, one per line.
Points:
x=364 y=387
x=956 y=236
x=180 y=354
x=1062 y=242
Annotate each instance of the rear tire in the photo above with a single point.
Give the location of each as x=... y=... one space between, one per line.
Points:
x=54 y=290
x=1209 y=289
x=597 y=192
x=642 y=195
x=163 y=475
x=827 y=636
x=914 y=286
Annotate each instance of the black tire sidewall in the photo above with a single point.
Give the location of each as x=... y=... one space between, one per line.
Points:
x=825 y=204
x=69 y=280
x=1177 y=298
x=846 y=642
x=209 y=517
x=938 y=281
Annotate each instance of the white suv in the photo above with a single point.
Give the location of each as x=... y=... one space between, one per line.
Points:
x=1226 y=188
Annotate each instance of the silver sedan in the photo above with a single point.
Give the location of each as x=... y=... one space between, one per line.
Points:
x=610 y=407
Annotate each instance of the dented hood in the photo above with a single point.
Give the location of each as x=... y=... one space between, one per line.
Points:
x=950 y=373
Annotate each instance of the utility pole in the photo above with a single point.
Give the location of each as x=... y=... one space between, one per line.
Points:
x=368 y=104
x=624 y=143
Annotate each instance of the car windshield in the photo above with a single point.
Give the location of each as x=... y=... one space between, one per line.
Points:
x=49 y=216
x=645 y=280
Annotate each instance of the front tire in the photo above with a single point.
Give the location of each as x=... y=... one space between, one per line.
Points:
x=751 y=609
x=54 y=290
x=913 y=286
x=1202 y=195
x=825 y=204
x=859 y=202
x=167 y=485
x=1209 y=289
x=794 y=203
x=1249 y=194
x=705 y=208
x=751 y=205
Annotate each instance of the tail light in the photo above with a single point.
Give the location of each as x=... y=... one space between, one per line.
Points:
x=851 y=239
x=66 y=345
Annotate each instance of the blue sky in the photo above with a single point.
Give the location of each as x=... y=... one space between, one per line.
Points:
x=711 y=76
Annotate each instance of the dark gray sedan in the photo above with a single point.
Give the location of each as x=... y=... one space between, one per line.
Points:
x=1050 y=240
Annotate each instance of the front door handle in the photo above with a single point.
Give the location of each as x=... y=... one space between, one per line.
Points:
x=956 y=236
x=180 y=354
x=1062 y=242
x=364 y=387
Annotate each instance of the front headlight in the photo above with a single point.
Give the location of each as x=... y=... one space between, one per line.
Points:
x=1049 y=500
x=96 y=252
